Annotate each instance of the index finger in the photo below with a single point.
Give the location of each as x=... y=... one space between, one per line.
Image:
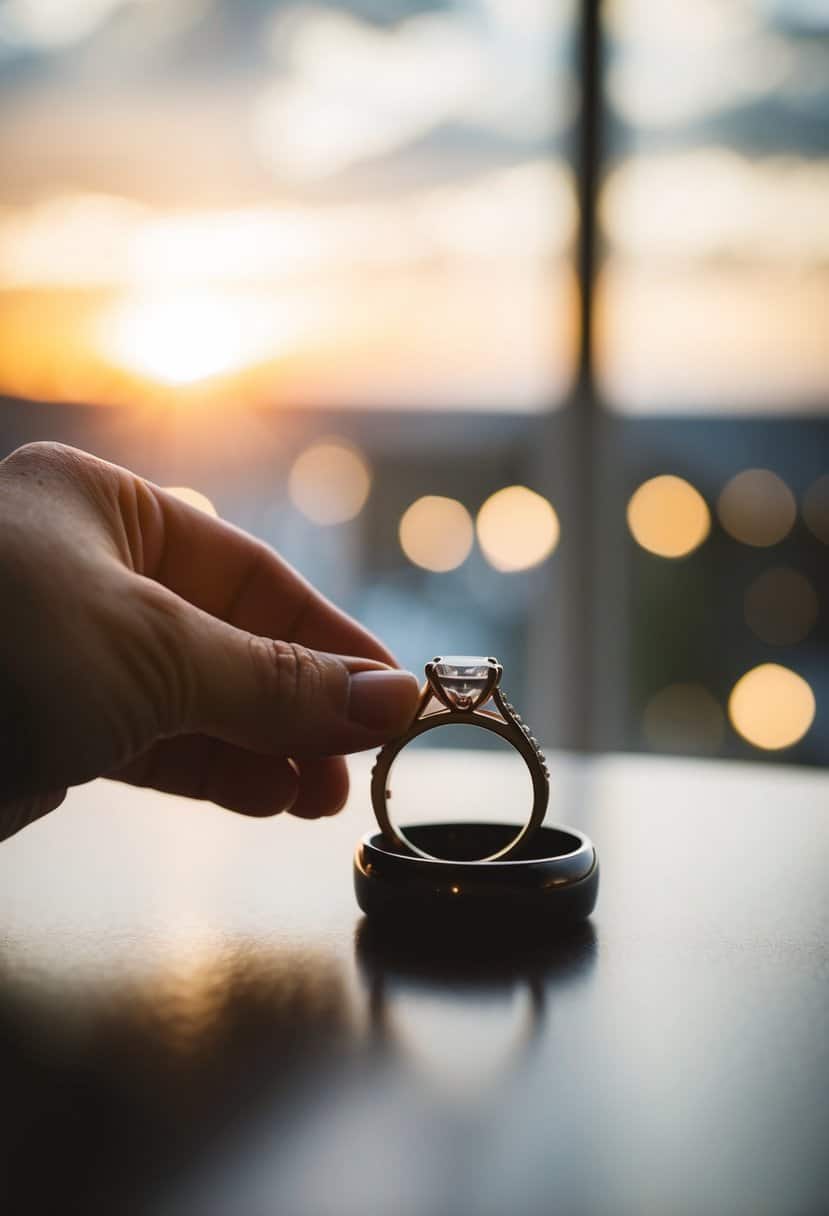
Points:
x=239 y=579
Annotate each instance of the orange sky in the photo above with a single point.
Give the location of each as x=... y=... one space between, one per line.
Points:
x=315 y=209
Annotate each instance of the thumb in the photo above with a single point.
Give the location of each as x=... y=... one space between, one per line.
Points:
x=278 y=697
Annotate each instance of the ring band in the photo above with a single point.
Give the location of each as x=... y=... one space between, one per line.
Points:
x=495 y=909
x=462 y=685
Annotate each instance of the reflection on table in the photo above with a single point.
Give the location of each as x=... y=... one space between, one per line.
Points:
x=195 y=1018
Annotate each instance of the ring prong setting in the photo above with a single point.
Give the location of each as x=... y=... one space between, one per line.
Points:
x=463 y=682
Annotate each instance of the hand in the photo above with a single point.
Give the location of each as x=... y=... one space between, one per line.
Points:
x=143 y=640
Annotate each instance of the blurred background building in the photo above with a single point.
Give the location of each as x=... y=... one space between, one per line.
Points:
x=506 y=321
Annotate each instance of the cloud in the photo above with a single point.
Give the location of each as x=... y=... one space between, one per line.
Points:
x=349 y=92
x=800 y=14
x=685 y=60
x=713 y=203
x=68 y=240
x=54 y=24
x=526 y=212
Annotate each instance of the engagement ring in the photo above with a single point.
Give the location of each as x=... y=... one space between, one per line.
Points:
x=467 y=692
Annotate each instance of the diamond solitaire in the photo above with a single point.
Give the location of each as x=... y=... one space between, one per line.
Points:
x=463 y=680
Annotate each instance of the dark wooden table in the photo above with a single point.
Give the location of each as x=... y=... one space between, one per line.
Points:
x=194 y=1021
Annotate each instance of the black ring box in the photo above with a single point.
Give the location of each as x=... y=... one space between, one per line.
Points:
x=551 y=887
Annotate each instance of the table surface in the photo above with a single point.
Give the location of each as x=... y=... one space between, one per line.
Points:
x=194 y=1019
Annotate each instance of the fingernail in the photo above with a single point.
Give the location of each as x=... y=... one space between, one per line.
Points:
x=382 y=700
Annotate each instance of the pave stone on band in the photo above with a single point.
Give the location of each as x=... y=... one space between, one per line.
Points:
x=463 y=686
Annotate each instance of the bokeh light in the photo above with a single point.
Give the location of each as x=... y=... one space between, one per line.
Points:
x=436 y=533
x=781 y=606
x=193 y=498
x=684 y=718
x=329 y=482
x=517 y=529
x=757 y=508
x=771 y=706
x=668 y=517
x=816 y=508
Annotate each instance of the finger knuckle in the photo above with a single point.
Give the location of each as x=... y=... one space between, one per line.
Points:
x=46 y=455
x=57 y=465
x=291 y=674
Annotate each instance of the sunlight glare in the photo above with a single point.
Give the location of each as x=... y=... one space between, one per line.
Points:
x=517 y=529
x=184 y=338
x=329 y=482
x=436 y=533
x=771 y=707
x=757 y=508
x=668 y=516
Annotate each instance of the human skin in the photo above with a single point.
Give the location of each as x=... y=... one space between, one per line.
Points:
x=143 y=640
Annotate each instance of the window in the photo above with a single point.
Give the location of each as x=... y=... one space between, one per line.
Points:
x=712 y=341
x=331 y=265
